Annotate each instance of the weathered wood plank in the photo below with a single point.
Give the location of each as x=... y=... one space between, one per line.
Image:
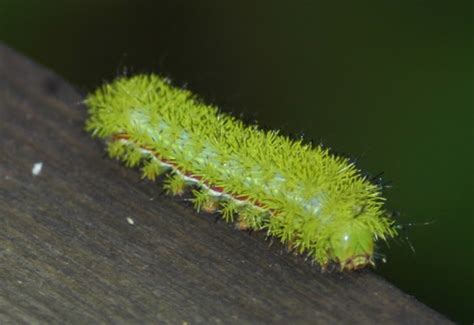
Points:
x=68 y=254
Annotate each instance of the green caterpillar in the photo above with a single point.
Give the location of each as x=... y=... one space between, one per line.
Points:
x=313 y=201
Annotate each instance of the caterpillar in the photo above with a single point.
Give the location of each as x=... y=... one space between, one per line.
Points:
x=315 y=202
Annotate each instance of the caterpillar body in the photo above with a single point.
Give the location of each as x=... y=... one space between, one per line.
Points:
x=315 y=202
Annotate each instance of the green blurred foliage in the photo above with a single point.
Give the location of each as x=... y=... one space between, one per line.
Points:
x=388 y=83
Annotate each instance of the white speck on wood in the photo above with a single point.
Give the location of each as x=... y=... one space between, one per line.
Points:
x=130 y=221
x=37 y=167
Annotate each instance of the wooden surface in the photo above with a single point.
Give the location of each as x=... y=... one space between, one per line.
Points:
x=69 y=254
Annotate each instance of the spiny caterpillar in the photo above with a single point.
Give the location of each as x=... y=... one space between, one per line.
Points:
x=313 y=201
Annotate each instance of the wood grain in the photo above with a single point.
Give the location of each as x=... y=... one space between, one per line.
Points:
x=69 y=255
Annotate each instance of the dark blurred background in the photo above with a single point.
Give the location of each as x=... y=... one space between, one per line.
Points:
x=389 y=83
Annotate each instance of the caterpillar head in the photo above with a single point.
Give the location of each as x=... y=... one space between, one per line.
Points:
x=353 y=246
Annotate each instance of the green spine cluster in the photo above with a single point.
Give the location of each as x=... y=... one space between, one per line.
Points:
x=316 y=202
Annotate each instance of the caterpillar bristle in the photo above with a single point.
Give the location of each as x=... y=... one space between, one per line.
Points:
x=228 y=210
x=152 y=169
x=174 y=184
x=205 y=201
